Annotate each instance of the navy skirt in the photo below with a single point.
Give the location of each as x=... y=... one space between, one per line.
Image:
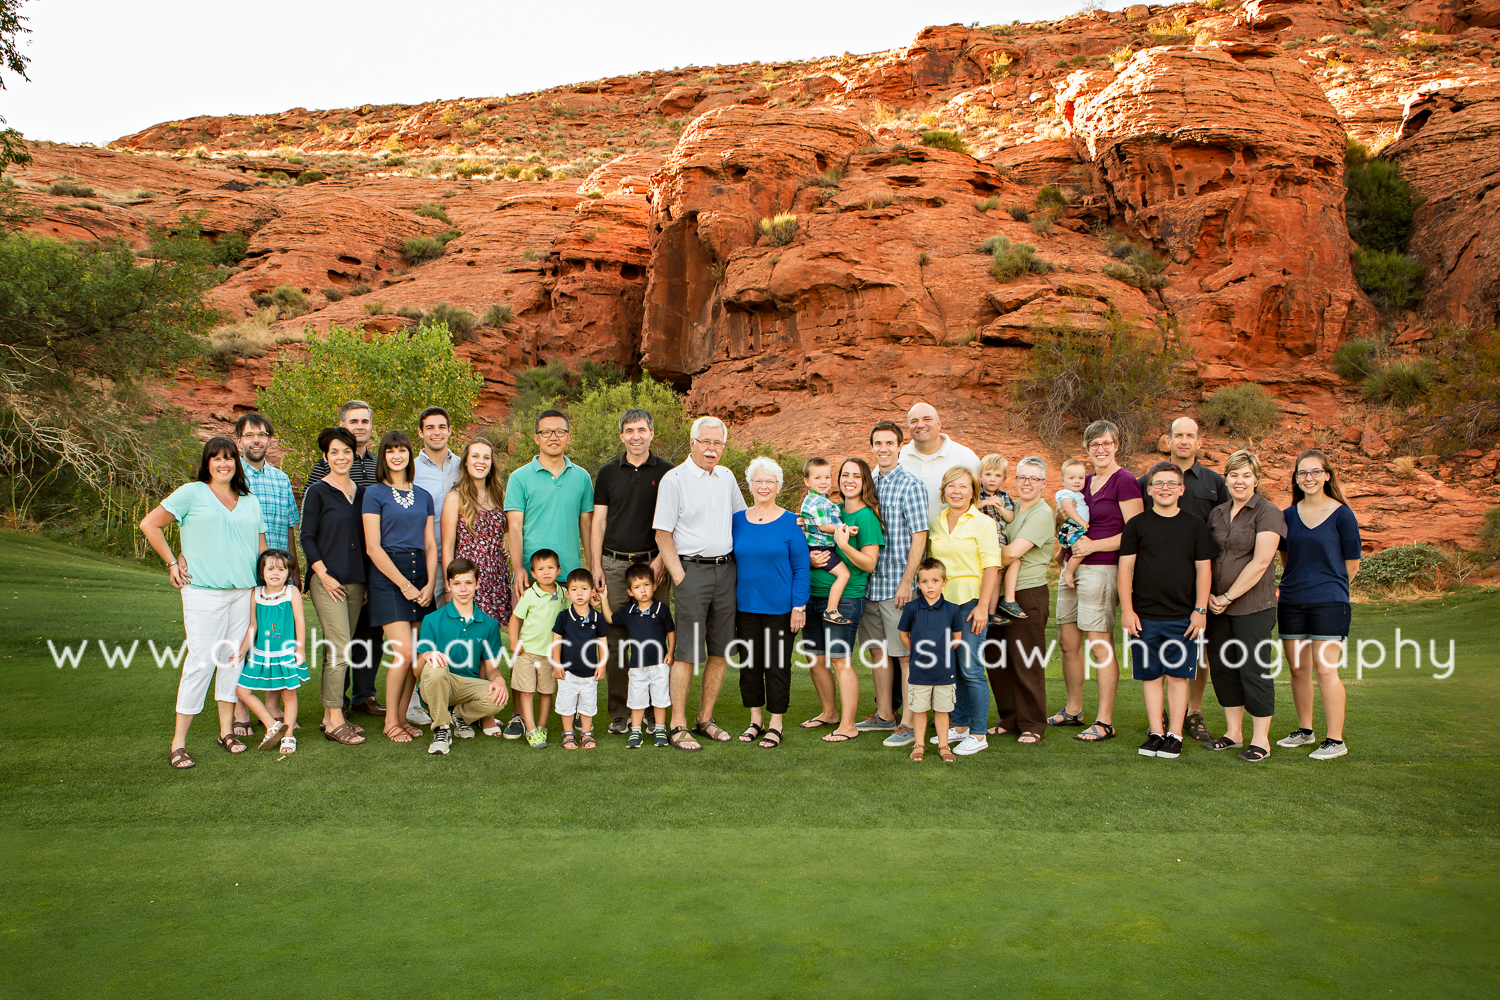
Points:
x=387 y=604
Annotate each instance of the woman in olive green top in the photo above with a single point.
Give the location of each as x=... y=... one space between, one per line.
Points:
x=1021 y=685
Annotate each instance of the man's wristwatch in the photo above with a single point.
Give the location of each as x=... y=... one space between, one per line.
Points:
x=1200 y=611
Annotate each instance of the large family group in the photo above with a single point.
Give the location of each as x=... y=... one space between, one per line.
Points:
x=923 y=567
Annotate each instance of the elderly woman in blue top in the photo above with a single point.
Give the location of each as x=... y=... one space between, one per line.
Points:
x=771 y=590
x=1319 y=557
x=402 y=548
x=222 y=536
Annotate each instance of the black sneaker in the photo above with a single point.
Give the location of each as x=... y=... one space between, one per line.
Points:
x=619 y=727
x=1171 y=746
x=442 y=739
x=1152 y=746
x=515 y=728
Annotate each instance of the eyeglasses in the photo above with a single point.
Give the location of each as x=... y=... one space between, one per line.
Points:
x=1029 y=479
x=709 y=442
x=1101 y=445
x=1309 y=473
x=1162 y=484
x=553 y=434
x=256 y=434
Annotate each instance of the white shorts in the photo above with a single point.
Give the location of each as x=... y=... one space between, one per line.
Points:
x=577 y=695
x=650 y=687
x=215 y=622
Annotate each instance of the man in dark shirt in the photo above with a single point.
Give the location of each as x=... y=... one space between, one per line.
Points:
x=356 y=417
x=1203 y=490
x=1166 y=570
x=624 y=504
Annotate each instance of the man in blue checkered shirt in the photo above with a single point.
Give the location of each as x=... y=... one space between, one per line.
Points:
x=903 y=508
x=278 y=504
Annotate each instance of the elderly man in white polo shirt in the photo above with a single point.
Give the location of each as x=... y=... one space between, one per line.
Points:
x=930 y=454
x=695 y=507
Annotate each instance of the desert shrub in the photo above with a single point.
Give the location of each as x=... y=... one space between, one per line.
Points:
x=435 y=210
x=1018 y=213
x=333 y=293
x=1417 y=566
x=780 y=230
x=1001 y=65
x=250 y=337
x=880 y=199
x=412 y=313
x=1011 y=260
x=399 y=373
x=1120 y=56
x=460 y=322
x=70 y=189
x=1245 y=411
x=1400 y=383
x=311 y=176
x=1051 y=196
x=375 y=307
x=142 y=193
x=1356 y=360
x=420 y=249
x=942 y=138
x=829 y=178
x=1356 y=153
x=230 y=248
x=359 y=289
x=498 y=315
x=1393 y=280
x=1489 y=530
x=1074 y=376
x=924 y=258
x=1379 y=205
x=594 y=195
x=1467 y=411
x=1173 y=32
x=1041 y=224
x=287 y=300
x=1405 y=467
x=474 y=169
x=395 y=161
x=987 y=204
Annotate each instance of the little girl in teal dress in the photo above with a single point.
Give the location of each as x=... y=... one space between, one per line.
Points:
x=275 y=643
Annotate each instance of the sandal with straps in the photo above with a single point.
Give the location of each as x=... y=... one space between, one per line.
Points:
x=346 y=733
x=771 y=740
x=569 y=741
x=230 y=742
x=710 y=727
x=243 y=727
x=918 y=753
x=179 y=759
x=289 y=744
x=1062 y=718
x=1096 y=733
x=680 y=735
x=588 y=742
x=948 y=755
x=273 y=735
x=837 y=618
x=752 y=733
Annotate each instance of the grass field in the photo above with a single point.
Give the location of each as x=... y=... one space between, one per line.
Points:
x=1047 y=871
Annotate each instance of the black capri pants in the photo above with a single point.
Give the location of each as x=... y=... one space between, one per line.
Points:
x=1246 y=686
x=764 y=644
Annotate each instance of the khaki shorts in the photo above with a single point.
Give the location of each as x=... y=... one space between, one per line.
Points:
x=529 y=672
x=1091 y=604
x=932 y=697
x=879 y=625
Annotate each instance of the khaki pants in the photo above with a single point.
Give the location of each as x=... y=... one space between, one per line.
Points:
x=615 y=673
x=469 y=696
x=338 y=623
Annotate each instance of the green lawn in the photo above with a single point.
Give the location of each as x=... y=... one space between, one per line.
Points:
x=1055 y=870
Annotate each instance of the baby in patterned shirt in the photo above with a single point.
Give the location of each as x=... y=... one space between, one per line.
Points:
x=819 y=516
x=994 y=501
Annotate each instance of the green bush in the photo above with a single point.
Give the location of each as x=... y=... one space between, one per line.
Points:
x=1400 y=383
x=987 y=204
x=311 y=176
x=460 y=322
x=780 y=230
x=1051 y=196
x=474 y=169
x=498 y=315
x=1489 y=530
x=1393 y=280
x=1401 y=566
x=70 y=189
x=230 y=248
x=942 y=138
x=1379 y=206
x=412 y=313
x=1245 y=411
x=375 y=307
x=359 y=289
x=1356 y=153
x=1018 y=213
x=398 y=373
x=1041 y=224
x=1010 y=261
x=333 y=293
x=285 y=299
x=829 y=178
x=1467 y=411
x=435 y=210
x=420 y=249
x=1356 y=360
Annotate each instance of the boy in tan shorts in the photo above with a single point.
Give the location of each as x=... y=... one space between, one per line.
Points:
x=932 y=628
x=531 y=643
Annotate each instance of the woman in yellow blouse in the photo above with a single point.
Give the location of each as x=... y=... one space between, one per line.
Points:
x=969 y=546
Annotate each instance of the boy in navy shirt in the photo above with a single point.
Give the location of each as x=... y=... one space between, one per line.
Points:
x=650 y=638
x=578 y=655
x=932 y=628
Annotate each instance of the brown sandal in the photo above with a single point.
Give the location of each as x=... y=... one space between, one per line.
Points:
x=347 y=733
x=179 y=759
x=947 y=755
x=243 y=727
x=230 y=742
x=711 y=728
x=918 y=753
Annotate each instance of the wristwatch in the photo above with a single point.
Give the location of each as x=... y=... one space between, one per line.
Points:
x=1200 y=611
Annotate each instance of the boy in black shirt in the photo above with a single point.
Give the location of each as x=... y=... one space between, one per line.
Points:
x=1166 y=570
x=578 y=655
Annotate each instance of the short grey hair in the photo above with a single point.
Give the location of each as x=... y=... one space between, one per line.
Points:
x=634 y=415
x=354 y=404
x=703 y=422
x=1036 y=462
x=763 y=463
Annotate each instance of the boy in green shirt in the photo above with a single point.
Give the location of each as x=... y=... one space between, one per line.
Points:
x=531 y=643
x=458 y=660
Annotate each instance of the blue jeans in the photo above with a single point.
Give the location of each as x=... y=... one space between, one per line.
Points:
x=972 y=702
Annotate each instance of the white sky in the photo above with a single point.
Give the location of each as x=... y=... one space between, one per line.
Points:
x=101 y=69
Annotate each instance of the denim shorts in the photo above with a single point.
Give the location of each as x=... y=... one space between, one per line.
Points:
x=1154 y=653
x=1320 y=622
x=835 y=641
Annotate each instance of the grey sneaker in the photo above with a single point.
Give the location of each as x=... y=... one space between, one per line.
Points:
x=874 y=721
x=417 y=715
x=619 y=726
x=515 y=728
x=442 y=739
x=901 y=736
x=463 y=730
x=1329 y=749
x=1297 y=738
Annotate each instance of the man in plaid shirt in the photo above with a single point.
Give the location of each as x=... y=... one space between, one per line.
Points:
x=278 y=504
x=903 y=508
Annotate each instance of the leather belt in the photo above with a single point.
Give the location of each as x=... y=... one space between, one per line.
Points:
x=709 y=560
x=631 y=557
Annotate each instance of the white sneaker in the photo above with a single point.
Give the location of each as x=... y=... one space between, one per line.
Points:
x=463 y=730
x=954 y=736
x=1297 y=738
x=971 y=745
x=1328 y=750
x=442 y=740
x=417 y=715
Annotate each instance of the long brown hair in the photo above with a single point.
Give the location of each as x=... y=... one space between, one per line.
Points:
x=394 y=439
x=867 y=494
x=1330 y=482
x=468 y=493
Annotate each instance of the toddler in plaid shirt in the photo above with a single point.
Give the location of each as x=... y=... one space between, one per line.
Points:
x=994 y=501
x=818 y=516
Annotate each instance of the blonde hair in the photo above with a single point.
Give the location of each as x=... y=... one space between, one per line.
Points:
x=1243 y=459
x=468 y=493
x=953 y=475
x=1068 y=463
x=994 y=463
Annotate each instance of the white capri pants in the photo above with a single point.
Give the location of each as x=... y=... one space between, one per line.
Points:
x=215 y=622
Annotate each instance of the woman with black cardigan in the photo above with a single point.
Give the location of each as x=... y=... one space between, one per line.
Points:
x=333 y=538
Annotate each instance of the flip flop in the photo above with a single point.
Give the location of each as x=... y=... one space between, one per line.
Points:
x=838 y=738
x=817 y=722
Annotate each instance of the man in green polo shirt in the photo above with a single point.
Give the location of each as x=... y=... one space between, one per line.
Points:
x=457 y=660
x=549 y=503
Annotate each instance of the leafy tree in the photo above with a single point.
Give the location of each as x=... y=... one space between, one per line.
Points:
x=399 y=374
x=12 y=27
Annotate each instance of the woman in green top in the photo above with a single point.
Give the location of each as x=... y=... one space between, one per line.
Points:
x=827 y=645
x=222 y=537
x=1021 y=685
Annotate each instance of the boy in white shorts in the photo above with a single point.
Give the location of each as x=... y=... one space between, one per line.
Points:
x=579 y=651
x=650 y=639
x=530 y=631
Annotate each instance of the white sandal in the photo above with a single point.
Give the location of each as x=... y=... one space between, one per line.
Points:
x=271 y=735
x=289 y=744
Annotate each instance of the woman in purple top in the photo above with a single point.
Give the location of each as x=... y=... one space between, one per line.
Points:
x=1319 y=557
x=1087 y=609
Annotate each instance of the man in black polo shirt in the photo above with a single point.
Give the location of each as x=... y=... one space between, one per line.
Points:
x=624 y=504
x=1202 y=490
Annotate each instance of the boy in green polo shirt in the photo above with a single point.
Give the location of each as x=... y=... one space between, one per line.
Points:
x=458 y=659
x=531 y=643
